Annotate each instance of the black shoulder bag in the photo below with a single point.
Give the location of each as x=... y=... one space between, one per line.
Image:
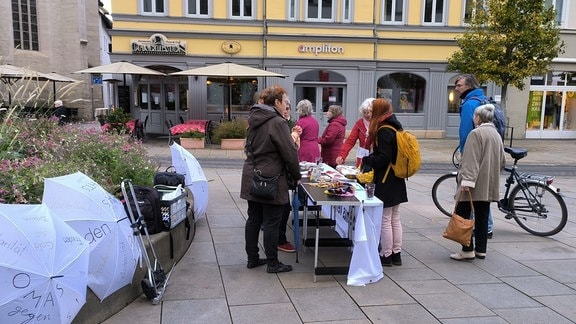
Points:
x=262 y=187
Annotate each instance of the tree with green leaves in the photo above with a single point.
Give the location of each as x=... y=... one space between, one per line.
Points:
x=508 y=41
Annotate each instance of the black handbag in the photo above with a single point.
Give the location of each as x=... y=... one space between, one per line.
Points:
x=169 y=178
x=264 y=187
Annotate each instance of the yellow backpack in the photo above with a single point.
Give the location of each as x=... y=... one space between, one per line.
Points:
x=408 y=159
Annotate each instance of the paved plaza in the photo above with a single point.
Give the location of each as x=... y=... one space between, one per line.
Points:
x=524 y=278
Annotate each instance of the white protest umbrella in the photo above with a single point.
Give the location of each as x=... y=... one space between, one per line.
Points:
x=185 y=163
x=43 y=266
x=101 y=219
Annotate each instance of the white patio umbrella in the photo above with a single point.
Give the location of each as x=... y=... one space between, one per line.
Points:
x=120 y=68
x=185 y=163
x=101 y=219
x=229 y=71
x=43 y=266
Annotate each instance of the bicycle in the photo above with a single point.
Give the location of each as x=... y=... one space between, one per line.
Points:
x=536 y=205
x=456 y=156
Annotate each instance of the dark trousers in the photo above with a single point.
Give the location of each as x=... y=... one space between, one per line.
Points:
x=481 y=212
x=268 y=217
x=282 y=239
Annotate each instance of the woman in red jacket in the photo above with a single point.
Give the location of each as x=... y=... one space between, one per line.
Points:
x=333 y=136
x=359 y=133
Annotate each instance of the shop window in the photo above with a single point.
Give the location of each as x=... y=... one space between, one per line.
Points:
x=405 y=91
x=241 y=94
x=538 y=80
x=453 y=100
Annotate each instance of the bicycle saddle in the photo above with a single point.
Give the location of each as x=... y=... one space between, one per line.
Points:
x=516 y=153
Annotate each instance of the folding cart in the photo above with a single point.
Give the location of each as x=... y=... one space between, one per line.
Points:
x=155 y=282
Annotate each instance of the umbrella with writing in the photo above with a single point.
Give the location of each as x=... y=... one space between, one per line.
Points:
x=43 y=266
x=101 y=219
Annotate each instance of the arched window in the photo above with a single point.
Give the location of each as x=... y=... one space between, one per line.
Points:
x=404 y=90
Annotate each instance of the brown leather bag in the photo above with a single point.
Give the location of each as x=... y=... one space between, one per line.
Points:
x=460 y=229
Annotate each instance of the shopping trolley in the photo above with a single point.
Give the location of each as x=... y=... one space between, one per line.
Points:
x=155 y=282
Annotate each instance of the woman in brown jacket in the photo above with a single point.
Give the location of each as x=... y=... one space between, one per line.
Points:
x=271 y=150
x=479 y=174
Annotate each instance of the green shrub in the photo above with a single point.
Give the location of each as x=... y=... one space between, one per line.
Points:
x=230 y=129
x=193 y=134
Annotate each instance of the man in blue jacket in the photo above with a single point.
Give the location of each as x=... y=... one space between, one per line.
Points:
x=468 y=87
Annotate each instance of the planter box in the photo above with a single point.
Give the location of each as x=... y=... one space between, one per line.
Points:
x=232 y=143
x=192 y=143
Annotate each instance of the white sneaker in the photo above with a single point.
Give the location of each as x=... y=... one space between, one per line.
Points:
x=461 y=256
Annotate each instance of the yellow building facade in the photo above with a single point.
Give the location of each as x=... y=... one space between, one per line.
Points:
x=332 y=52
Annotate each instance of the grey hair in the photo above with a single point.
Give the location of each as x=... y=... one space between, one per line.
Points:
x=366 y=105
x=336 y=110
x=304 y=107
x=469 y=80
x=485 y=113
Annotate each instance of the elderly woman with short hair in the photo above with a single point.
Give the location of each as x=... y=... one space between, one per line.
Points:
x=359 y=133
x=333 y=136
x=479 y=173
x=309 y=150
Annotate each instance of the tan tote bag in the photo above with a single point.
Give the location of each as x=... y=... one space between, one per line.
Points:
x=460 y=229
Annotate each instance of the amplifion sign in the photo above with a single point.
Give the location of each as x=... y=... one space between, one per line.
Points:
x=321 y=49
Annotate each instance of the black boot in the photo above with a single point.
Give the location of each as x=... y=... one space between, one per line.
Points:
x=396 y=259
x=279 y=267
x=386 y=261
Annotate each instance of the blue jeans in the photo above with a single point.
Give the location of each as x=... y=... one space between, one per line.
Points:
x=490 y=222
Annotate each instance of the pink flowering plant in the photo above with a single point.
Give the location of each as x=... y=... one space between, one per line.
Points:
x=31 y=151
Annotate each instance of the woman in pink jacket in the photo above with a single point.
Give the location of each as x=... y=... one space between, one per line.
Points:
x=333 y=136
x=359 y=133
x=309 y=150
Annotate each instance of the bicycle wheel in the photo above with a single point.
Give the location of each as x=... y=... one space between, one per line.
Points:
x=456 y=156
x=444 y=192
x=538 y=209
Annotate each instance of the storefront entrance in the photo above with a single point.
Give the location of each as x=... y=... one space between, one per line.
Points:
x=323 y=89
x=551 y=109
x=163 y=100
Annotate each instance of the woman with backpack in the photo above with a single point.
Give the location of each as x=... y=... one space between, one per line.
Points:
x=389 y=188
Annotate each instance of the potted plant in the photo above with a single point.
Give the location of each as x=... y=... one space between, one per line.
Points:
x=116 y=121
x=231 y=134
x=192 y=139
